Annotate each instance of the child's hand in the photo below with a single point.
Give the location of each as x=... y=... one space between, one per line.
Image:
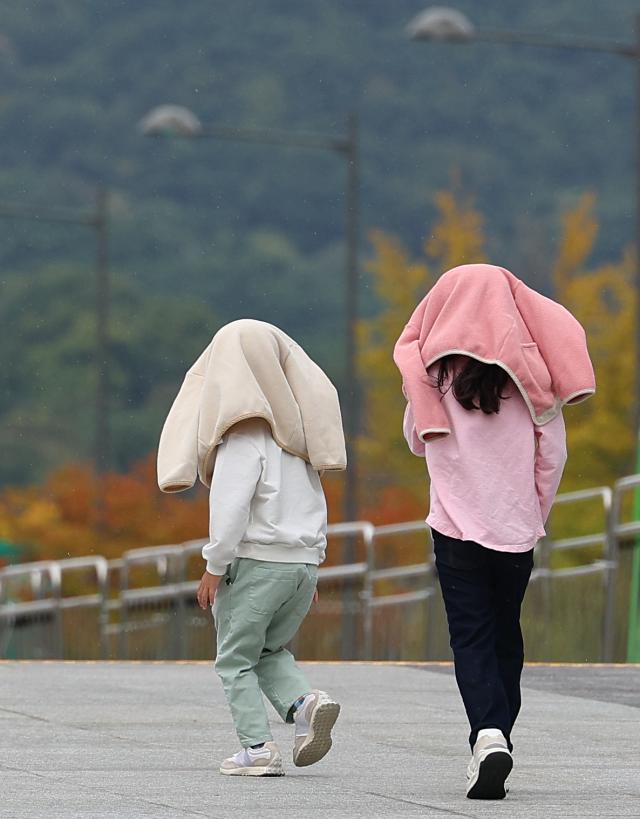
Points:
x=316 y=596
x=207 y=589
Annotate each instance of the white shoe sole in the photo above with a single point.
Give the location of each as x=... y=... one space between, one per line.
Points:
x=258 y=770
x=274 y=768
x=488 y=781
x=318 y=741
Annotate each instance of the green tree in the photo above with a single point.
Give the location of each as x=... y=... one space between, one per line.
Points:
x=48 y=373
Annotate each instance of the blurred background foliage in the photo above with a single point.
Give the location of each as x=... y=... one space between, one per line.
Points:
x=468 y=153
x=59 y=516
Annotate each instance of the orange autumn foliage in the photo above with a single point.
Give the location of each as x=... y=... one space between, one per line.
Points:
x=61 y=518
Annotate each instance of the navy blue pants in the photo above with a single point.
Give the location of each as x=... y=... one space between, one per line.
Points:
x=483 y=591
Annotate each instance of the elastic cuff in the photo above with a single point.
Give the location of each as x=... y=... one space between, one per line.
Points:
x=215 y=568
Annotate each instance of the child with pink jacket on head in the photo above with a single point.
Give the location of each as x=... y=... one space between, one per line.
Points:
x=487 y=364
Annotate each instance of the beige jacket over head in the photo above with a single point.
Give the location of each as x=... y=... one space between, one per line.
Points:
x=250 y=370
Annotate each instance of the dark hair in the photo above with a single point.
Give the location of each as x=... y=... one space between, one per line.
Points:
x=475 y=385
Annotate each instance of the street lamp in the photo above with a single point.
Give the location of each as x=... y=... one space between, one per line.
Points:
x=441 y=23
x=176 y=120
x=98 y=221
x=444 y=24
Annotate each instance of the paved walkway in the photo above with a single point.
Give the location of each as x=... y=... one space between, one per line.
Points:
x=144 y=739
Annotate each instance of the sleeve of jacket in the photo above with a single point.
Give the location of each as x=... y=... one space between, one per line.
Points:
x=319 y=410
x=414 y=443
x=551 y=456
x=178 y=448
x=237 y=469
x=430 y=420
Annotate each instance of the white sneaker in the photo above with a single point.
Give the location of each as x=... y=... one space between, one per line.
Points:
x=265 y=761
x=490 y=765
x=314 y=720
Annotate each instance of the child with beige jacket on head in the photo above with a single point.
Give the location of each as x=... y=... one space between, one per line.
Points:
x=258 y=420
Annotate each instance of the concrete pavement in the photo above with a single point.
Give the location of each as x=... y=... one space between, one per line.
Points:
x=145 y=739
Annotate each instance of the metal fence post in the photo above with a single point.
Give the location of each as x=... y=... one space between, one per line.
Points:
x=621 y=531
x=611 y=574
x=179 y=631
x=367 y=592
x=123 y=642
x=352 y=571
x=102 y=571
x=396 y=573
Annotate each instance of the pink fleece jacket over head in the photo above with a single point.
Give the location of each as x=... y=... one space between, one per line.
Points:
x=485 y=312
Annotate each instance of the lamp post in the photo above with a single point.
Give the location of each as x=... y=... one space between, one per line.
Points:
x=444 y=24
x=98 y=221
x=178 y=121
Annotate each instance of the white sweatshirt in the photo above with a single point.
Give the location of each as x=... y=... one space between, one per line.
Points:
x=264 y=503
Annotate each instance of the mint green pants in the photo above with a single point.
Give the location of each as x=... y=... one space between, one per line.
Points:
x=258 y=609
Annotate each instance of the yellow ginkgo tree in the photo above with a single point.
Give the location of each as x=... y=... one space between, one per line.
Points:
x=601 y=437
x=600 y=433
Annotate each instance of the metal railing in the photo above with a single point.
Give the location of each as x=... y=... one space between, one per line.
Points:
x=604 y=564
x=161 y=606
x=143 y=604
x=30 y=604
x=397 y=575
x=621 y=533
x=44 y=582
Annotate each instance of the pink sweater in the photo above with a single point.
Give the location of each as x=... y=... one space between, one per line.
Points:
x=494 y=478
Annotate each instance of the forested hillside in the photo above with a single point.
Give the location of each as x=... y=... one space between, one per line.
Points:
x=205 y=231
